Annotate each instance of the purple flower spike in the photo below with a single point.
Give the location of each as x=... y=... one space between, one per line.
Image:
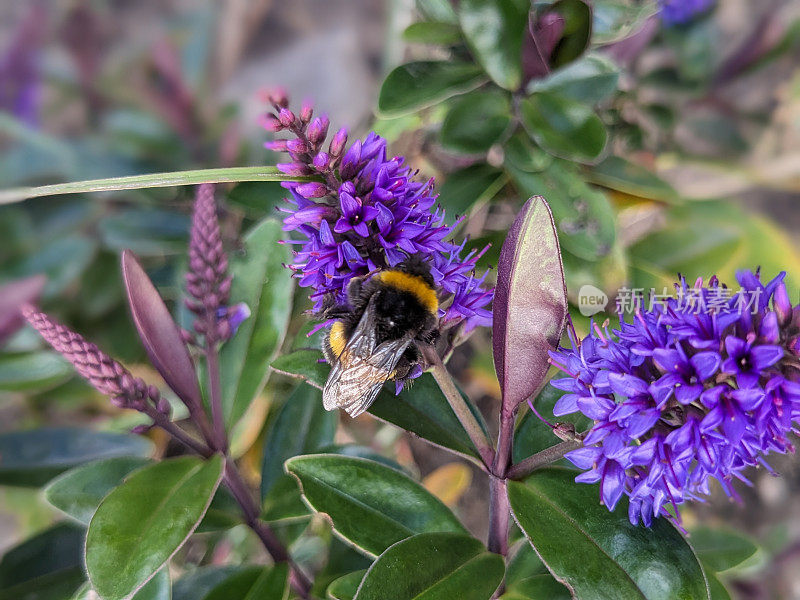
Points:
x=683 y=393
x=368 y=213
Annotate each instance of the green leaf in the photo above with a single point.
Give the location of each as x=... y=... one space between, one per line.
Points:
x=716 y=588
x=466 y=187
x=420 y=408
x=432 y=32
x=493 y=30
x=302 y=426
x=536 y=587
x=147 y=232
x=583 y=215
x=591 y=79
x=198 y=582
x=437 y=10
x=523 y=563
x=597 y=553
x=577 y=30
x=304 y=364
x=721 y=549
x=31 y=371
x=257 y=198
x=79 y=491
x=255 y=583
x=370 y=505
x=417 y=85
x=563 y=127
x=434 y=566
x=132 y=535
x=476 y=121
x=150 y=180
x=158 y=588
x=617 y=19
x=55 y=550
x=345 y=587
x=361 y=452
x=625 y=176
x=34 y=457
x=53 y=586
x=261 y=282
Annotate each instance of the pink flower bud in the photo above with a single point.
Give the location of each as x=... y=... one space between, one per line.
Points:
x=293 y=168
x=276 y=145
x=313 y=189
x=321 y=161
x=270 y=122
x=318 y=130
x=286 y=117
x=338 y=143
x=296 y=146
x=306 y=111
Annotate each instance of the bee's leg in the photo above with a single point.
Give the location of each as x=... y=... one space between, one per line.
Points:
x=337 y=311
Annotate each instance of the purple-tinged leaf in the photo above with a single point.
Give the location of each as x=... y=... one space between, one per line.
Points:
x=13 y=296
x=539 y=42
x=530 y=302
x=159 y=333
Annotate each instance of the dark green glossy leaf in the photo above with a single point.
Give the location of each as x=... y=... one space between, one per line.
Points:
x=583 y=215
x=255 y=583
x=434 y=566
x=523 y=563
x=421 y=409
x=577 y=30
x=361 y=452
x=34 y=457
x=343 y=559
x=79 y=491
x=416 y=85
x=345 y=587
x=197 y=583
x=371 y=505
x=32 y=371
x=302 y=426
x=493 y=30
x=132 y=535
x=147 y=232
x=563 y=127
x=597 y=553
x=432 y=32
x=625 y=176
x=158 y=588
x=591 y=79
x=616 y=19
x=58 y=585
x=223 y=513
x=261 y=282
x=304 y=364
x=537 y=587
x=54 y=550
x=464 y=188
x=476 y=121
x=721 y=549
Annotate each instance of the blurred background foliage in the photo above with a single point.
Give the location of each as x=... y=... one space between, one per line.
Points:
x=662 y=147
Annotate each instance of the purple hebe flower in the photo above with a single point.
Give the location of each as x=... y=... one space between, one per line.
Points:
x=367 y=213
x=700 y=386
x=677 y=12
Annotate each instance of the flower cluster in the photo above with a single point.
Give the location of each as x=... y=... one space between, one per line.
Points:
x=680 y=395
x=207 y=279
x=677 y=12
x=366 y=213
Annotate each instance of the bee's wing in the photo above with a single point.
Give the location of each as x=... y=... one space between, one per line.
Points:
x=363 y=367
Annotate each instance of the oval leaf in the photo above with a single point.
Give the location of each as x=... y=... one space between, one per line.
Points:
x=434 y=566
x=590 y=79
x=563 y=127
x=371 y=505
x=30 y=371
x=158 y=331
x=536 y=587
x=475 y=122
x=493 y=30
x=32 y=458
x=599 y=554
x=530 y=302
x=345 y=587
x=260 y=281
x=721 y=549
x=54 y=550
x=416 y=85
x=79 y=491
x=133 y=534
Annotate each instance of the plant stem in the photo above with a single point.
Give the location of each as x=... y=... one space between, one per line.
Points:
x=499 y=511
x=150 y=180
x=468 y=421
x=270 y=541
x=215 y=395
x=525 y=467
x=176 y=432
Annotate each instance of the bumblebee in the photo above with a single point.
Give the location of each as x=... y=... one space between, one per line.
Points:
x=373 y=339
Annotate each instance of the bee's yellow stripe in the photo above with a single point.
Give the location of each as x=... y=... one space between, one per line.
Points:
x=414 y=285
x=337 y=339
